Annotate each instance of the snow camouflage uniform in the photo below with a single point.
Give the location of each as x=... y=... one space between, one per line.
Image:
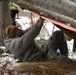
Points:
x=25 y=48
x=57 y=41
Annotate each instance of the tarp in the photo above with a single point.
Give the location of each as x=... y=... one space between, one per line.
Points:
x=70 y=31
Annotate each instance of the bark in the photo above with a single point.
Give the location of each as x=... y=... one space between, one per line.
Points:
x=65 y=7
x=59 y=10
x=73 y=0
x=4 y=18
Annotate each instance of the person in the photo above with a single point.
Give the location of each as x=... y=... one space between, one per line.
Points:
x=57 y=45
x=23 y=44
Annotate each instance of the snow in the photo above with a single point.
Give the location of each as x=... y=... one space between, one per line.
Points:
x=24 y=21
x=49 y=26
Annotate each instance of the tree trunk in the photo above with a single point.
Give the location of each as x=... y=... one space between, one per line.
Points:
x=4 y=18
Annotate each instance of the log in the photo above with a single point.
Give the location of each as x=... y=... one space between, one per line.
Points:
x=64 y=7
x=53 y=12
x=73 y=0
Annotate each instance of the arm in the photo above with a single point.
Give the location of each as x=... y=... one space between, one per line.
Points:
x=40 y=22
x=21 y=44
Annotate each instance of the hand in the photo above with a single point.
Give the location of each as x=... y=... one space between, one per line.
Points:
x=41 y=19
x=40 y=22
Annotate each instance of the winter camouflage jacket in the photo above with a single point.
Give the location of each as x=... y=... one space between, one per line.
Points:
x=25 y=47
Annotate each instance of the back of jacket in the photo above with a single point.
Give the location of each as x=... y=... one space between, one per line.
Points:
x=24 y=47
